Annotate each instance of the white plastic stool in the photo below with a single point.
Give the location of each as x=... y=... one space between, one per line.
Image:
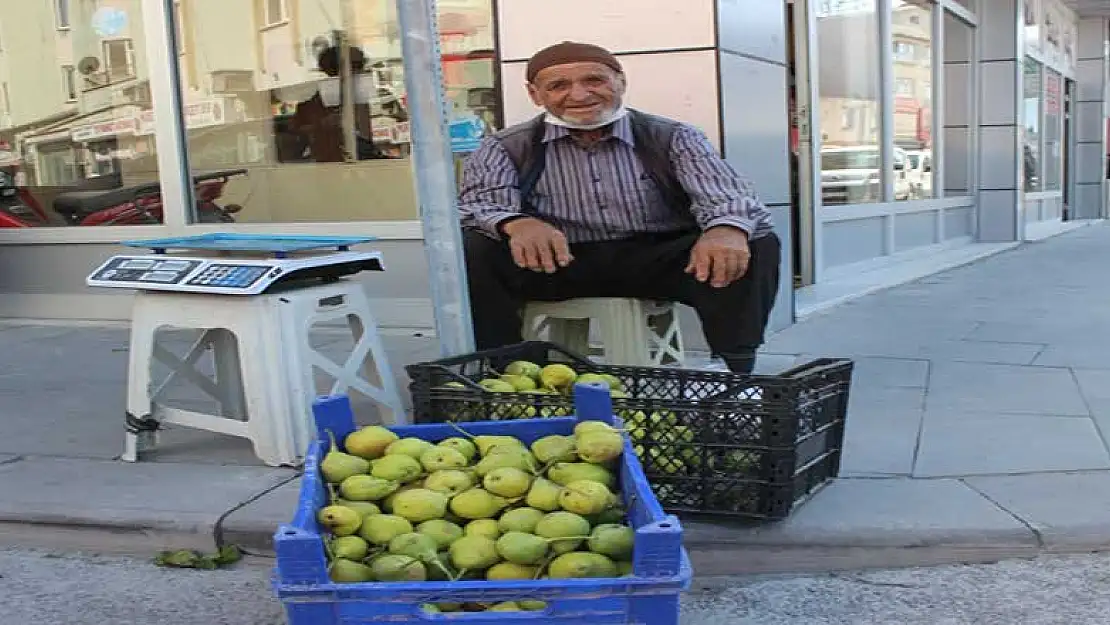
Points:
x=633 y=332
x=265 y=379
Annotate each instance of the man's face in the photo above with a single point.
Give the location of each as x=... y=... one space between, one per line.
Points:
x=578 y=93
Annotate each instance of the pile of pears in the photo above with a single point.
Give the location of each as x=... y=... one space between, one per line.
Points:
x=476 y=507
x=530 y=378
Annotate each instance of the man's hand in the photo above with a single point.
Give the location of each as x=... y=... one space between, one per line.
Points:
x=720 y=256
x=537 y=245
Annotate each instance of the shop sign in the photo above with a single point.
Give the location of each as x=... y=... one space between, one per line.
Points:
x=834 y=8
x=111 y=128
x=198 y=115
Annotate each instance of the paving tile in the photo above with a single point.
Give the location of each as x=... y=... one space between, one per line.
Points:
x=864 y=399
x=966 y=443
x=890 y=372
x=973 y=387
x=162 y=496
x=1067 y=509
x=879 y=513
x=879 y=444
x=981 y=351
x=1091 y=355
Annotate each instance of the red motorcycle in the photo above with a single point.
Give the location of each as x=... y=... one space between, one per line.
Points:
x=115 y=206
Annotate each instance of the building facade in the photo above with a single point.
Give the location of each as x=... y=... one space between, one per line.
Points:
x=889 y=137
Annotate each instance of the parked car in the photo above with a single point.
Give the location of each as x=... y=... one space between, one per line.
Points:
x=851 y=175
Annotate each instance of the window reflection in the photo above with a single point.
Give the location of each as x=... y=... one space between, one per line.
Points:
x=77 y=145
x=1032 y=113
x=911 y=30
x=1053 y=130
x=308 y=97
x=850 y=115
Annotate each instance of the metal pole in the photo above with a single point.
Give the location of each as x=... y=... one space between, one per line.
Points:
x=435 y=176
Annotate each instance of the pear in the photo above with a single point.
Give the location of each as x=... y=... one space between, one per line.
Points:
x=477 y=503
x=520 y=520
x=519 y=382
x=350 y=548
x=612 y=540
x=517 y=458
x=442 y=532
x=497 y=386
x=468 y=449
x=412 y=447
x=585 y=497
x=580 y=565
x=414 y=545
x=397 y=467
x=524 y=368
x=420 y=504
x=369 y=442
x=450 y=482
x=544 y=495
x=379 y=529
x=364 y=508
x=564 y=473
x=532 y=605
x=346 y=571
x=474 y=553
x=585 y=427
x=338 y=466
x=522 y=548
x=440 y=458
x=483 y=527
x=488 y=443
x=366 y=488
x=557 y=376
x=554 y=448
x=570 y=528
x=340 y=520
x=396 y=568
x=599 y=447
x=508 y=482
x=506 y=571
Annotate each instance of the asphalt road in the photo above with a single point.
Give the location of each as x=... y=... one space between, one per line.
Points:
x=47 y=589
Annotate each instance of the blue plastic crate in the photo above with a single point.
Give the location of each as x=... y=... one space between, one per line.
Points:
x=661 y=566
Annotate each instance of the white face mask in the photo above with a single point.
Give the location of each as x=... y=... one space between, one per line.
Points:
x=605 y=120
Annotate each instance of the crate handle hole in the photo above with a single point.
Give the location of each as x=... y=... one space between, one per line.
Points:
x=290 y=532
x=665 y=525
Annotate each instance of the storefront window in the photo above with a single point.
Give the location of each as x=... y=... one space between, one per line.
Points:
x=300 y=104
x=958 y=101
x=1032 y=113
x=912 y=33
x=73 y=150
x=1053 y=131
x=850 y=113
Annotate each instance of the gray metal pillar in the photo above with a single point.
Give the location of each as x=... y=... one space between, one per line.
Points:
x=435 y=176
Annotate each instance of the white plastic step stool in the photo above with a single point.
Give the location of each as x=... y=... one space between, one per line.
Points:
x=633 y=332
x=265 y=379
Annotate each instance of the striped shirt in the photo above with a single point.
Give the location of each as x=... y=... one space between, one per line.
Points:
x=603 y=192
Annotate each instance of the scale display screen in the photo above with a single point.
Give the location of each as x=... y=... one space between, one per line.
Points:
x=159 y=276
x=136 y=264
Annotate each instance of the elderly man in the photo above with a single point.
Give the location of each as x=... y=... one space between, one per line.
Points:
x=592 y=199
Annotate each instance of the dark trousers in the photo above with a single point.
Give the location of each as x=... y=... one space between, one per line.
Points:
x=652 y=267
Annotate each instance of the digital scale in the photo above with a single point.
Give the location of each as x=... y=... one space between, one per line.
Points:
x=234 y=264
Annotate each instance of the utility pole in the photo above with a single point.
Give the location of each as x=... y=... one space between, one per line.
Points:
x=433 y=165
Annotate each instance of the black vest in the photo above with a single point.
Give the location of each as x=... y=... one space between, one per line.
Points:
x=651 y=136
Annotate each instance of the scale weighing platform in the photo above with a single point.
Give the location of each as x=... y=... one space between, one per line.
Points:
x=234 y=264
x=268 y=371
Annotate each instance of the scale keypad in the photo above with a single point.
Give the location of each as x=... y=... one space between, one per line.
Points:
x=229 y=276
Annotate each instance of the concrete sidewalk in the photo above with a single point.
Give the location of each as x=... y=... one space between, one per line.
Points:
x=975 y=431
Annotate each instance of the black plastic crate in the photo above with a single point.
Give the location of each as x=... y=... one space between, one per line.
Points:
x=712 y=443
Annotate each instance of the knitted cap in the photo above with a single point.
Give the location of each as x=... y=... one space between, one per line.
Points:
x=570 y=52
